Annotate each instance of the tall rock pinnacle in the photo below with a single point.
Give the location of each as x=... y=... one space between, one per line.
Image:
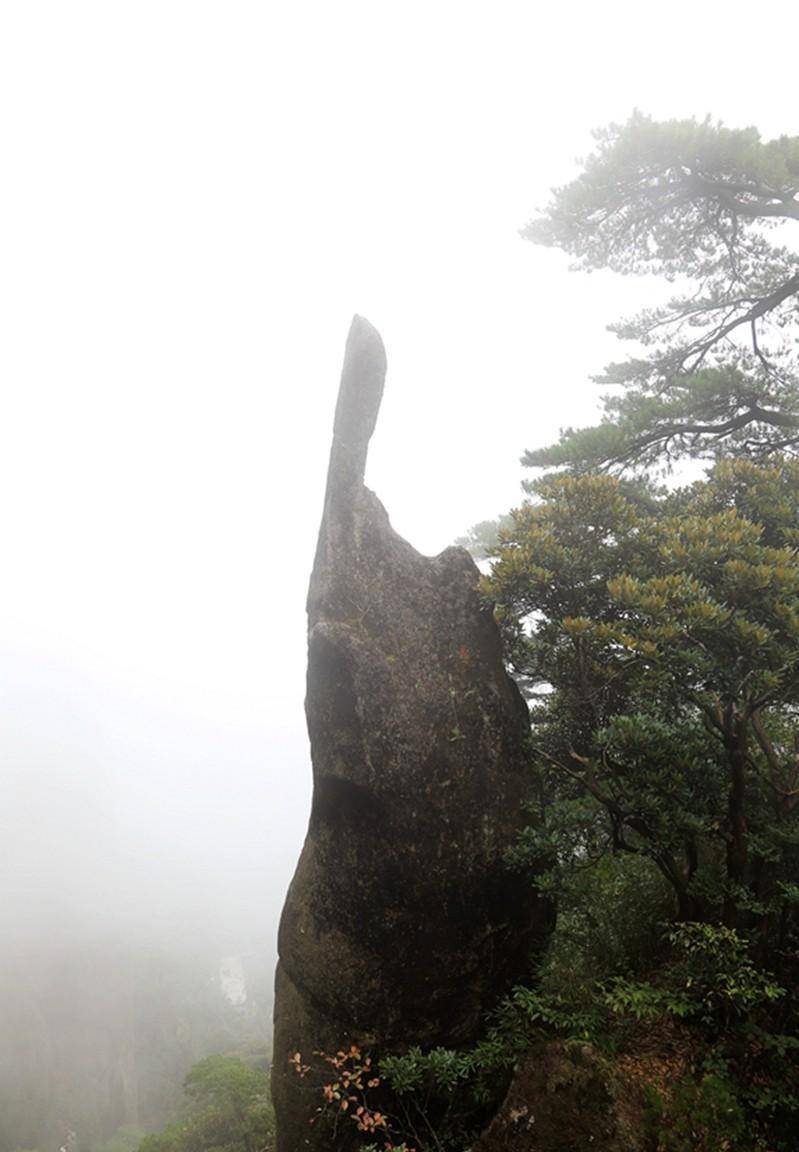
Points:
x=359 y=397
x=402 y=924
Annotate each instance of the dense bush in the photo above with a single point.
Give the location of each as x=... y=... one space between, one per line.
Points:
x=227 y=1110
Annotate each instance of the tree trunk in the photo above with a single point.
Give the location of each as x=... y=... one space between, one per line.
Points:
x=736 y=814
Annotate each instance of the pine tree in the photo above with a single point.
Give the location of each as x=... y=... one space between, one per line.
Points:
x=696 y=203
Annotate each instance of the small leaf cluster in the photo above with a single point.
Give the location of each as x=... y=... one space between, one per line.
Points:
x=349 y=1092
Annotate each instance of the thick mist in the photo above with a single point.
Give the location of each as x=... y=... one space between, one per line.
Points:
x=125 y=818
x=139 y=929
x=198 y=199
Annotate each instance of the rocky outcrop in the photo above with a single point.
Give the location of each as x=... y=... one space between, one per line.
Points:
x=402 y=924
x=563 y=1098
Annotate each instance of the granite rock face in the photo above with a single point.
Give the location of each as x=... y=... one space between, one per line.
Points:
x=564 y=1098
x=402 y=925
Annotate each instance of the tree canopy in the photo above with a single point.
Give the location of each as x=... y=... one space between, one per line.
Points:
x=666 y=637
x=657 y=634
x=228 y=1110
x=698 y=204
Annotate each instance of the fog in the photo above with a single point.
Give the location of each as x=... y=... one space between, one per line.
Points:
x=197 y=198
x=132 y=815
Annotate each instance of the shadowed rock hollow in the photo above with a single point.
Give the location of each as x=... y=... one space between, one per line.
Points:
x=402 y=925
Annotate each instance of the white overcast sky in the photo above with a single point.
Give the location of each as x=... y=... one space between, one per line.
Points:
x=196 y=197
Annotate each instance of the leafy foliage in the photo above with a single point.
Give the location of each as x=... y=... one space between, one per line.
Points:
x=703 y=1114
x=657 y=636
x=482 y=539
x=228 y=1111
x=725 y=1090
x=660 y=641
x=710 y=978
x=349 y=1088
x=692 y=202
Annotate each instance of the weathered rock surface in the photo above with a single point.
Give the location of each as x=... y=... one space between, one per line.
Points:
x=402 y=925
x=566 y=1099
